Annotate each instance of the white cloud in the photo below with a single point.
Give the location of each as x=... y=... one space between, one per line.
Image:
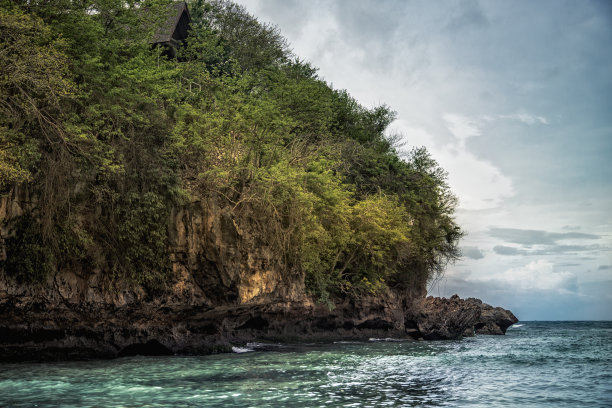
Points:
x=538 y=275
x=478 y=184
x=526 y=118
x=461 y=127
x=412 y=135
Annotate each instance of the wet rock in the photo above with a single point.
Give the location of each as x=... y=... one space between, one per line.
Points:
x=150 y=348
x=48 y=329
x=445 y=319
x=493 y=320
x=37 y=323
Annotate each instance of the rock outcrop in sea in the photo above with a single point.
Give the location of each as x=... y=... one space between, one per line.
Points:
x=442 y=319
x=54 y=324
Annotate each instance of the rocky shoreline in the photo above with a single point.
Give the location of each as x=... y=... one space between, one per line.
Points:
x=64 y=331
x=225 y=291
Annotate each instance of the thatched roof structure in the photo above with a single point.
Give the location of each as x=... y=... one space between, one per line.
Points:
x=173 y=31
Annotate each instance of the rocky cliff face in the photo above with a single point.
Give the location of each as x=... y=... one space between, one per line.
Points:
x=227 y=290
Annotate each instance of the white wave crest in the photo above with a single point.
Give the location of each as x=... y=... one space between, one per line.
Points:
x=241 y=350
x=385 y=339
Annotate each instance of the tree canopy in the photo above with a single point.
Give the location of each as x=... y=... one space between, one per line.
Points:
x=112 y=135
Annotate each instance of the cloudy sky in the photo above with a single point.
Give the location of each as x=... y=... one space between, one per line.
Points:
x=514 y=100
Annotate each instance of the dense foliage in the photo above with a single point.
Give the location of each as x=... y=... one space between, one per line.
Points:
x=111 y=135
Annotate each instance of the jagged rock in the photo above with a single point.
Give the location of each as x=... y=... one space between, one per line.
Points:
x=52 y=328
x=444 y=319
x=493 y=320
x=57 y=331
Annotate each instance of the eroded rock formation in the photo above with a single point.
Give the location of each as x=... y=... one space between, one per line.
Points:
x=227 y=290
x=441 y=318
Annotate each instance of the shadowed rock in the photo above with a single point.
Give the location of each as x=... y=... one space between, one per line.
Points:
x=493 y=320
x=150 y=348
x=445 y=319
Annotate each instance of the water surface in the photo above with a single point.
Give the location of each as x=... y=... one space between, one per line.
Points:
x=555 y=364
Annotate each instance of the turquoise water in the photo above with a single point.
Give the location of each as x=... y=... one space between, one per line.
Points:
x=555 y=364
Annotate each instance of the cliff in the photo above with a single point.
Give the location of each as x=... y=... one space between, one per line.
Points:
x=226 y=291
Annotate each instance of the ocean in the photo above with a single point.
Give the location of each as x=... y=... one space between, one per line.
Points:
x=537 y=364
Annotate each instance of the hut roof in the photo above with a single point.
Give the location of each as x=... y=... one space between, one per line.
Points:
x=176 y=25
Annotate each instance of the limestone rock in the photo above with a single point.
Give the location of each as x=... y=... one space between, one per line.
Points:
x=444 y=319
x=227 y=289
x=493 y=320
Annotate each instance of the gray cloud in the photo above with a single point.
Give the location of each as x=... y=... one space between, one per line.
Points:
x=559 y=249
x=469 y=15
x=536 y=237
x=506 y=250
x=604 y=267
x=472 y=252
x=536 y=304
x=549 y=250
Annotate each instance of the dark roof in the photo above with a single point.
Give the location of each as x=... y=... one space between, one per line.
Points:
x=176 y=25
